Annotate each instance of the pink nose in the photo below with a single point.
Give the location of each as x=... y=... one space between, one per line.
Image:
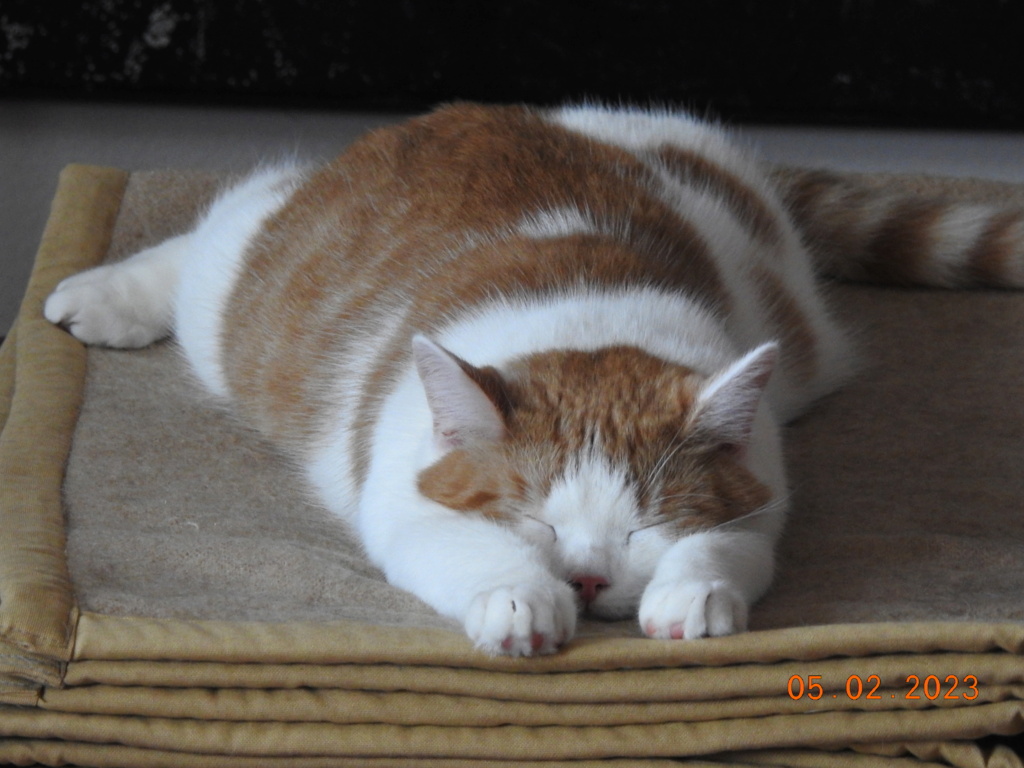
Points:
x=588 y=587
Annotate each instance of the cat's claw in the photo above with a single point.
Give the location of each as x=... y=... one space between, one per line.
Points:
x=522 y=621
x=691 y=610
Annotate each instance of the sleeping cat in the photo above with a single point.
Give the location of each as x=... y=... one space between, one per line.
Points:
x=537 y=359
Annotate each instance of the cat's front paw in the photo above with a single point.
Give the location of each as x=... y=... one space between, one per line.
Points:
x=522 y=620
x=103 y=306
x=692 y=609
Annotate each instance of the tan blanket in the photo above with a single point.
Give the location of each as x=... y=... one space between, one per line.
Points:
x=169 y=597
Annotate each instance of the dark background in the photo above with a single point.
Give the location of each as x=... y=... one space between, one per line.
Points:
x=934 y=63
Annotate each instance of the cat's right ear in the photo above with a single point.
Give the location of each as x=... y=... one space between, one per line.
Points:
x=726 y=408
x=463 y=412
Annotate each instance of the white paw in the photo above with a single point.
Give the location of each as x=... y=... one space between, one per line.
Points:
x=692 y=609
x=105 y=306
x=522 y=620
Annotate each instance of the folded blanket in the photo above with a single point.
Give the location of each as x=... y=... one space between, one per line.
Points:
x=170 y=597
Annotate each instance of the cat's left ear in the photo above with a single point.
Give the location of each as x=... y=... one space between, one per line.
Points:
x=725 y=409
x=463 y=410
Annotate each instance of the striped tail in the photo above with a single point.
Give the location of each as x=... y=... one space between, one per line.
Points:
x=909 y=230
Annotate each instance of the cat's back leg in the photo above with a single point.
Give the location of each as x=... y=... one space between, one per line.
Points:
x=127 y=305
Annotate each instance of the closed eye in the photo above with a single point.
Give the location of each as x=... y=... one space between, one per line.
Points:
x=647 y=527
x=554 y=533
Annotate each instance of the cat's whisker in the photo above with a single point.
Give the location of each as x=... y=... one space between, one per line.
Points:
x=667 y=456
x=772 y=506
x=685 y=497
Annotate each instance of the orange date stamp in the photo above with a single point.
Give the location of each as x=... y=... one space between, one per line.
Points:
x=928 y=688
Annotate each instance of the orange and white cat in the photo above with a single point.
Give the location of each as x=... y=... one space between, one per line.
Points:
x=537 y=359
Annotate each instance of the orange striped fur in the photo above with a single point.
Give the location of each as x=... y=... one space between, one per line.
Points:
x=861 y=230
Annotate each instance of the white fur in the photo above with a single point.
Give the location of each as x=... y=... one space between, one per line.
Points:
x=636 y=128
x=955 y=233
x=557 y=223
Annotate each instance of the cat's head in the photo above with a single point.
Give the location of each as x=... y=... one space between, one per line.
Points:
x=602 y=459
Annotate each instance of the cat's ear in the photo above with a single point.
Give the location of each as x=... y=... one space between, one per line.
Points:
x=725 y=409
x=463 y=411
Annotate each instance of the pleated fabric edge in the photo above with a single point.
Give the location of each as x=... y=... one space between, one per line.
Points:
x=42 y=372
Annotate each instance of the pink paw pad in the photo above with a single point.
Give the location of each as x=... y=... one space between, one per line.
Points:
x=536 y=641
x=675 y=631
